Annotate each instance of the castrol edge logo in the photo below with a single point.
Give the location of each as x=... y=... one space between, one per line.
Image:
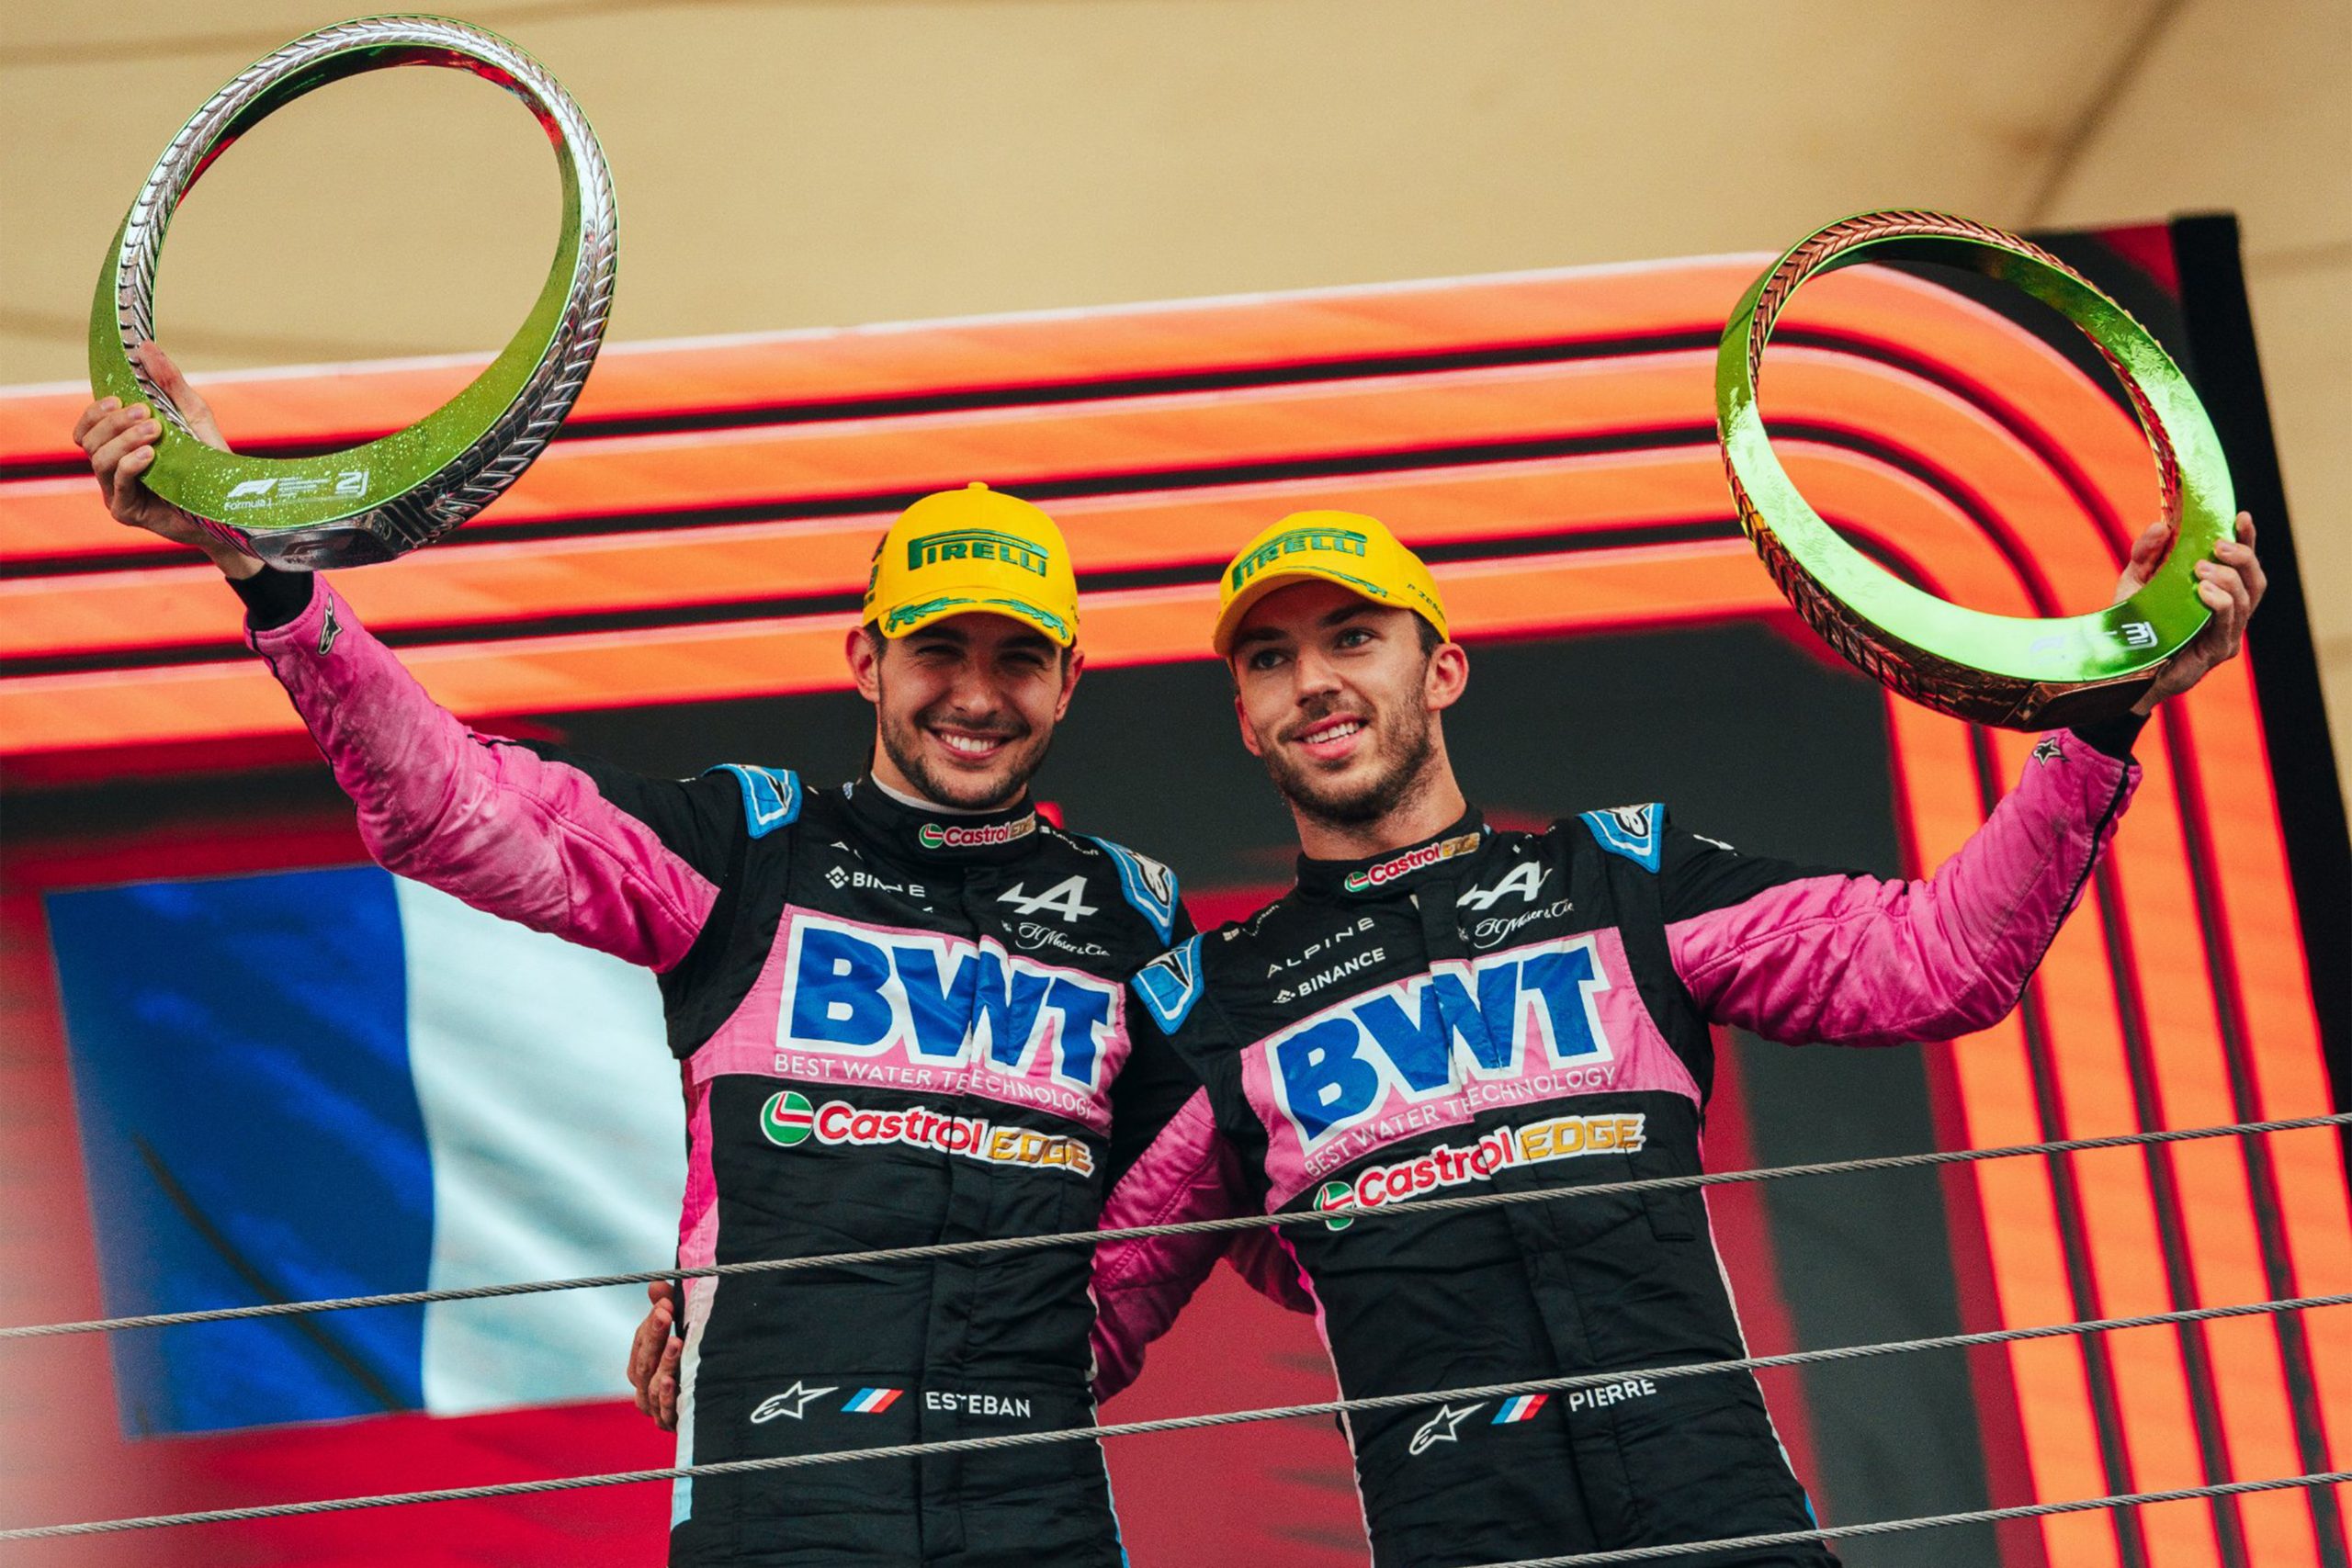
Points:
x=1538 y=1143
x=789 y=1120
x=949 y=836
x=1411 y=860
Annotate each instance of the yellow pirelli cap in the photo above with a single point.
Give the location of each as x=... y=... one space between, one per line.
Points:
x=1357 y=552
x=973 y=551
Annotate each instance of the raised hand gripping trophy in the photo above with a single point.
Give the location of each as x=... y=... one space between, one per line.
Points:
x=377 y=501
x=2017 y=672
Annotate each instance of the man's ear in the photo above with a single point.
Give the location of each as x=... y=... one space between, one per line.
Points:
x=1073 y=666
x=1448 y=676
x=1249 y=736
x=866 y=664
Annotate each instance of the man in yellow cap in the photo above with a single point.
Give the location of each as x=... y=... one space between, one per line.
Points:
x=968 y=646
x=1440 y=1007
x=899 y=1008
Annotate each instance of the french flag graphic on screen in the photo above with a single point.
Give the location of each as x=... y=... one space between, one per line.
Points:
x=337 y=1082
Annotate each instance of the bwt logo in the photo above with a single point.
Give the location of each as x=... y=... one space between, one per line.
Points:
x=1498 y=1017
x=943 y=1001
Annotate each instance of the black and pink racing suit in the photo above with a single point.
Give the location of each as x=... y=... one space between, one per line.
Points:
x=894 y=1027
x=1526 y=1012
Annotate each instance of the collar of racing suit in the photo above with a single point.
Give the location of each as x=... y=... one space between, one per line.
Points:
x=1381 y=872
x=963 y=838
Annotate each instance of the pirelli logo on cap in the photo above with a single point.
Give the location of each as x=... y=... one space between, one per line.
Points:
x=1298 y=541
x=975 y=544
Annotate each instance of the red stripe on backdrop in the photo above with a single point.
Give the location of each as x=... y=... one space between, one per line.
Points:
x=767 y=374
x=651 y=481
x=2027 y=1247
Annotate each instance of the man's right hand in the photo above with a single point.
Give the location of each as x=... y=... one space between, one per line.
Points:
x=121 y=446
x=653 y=1359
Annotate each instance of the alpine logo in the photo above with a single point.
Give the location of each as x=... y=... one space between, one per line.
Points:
x=1065 y=900
x=1526 y=879
x=1411 y=860
x=1499 y=1016
x=1364 y=923
x=953 y=836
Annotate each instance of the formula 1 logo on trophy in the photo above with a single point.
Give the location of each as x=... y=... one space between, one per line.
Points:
x=2014 y=672
x=377 y=501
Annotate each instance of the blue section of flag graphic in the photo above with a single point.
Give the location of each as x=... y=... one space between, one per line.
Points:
x=250 y=1132
x=328 y=1083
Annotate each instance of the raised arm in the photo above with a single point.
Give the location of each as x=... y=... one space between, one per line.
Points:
x=626 y=865
x=1860 y=961
x=1799 y=956
x=620 y=863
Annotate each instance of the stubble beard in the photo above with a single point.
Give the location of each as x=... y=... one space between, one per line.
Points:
x=903 y=744
x=1405 y=757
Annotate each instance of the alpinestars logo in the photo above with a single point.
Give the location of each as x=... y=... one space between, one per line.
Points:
x=1411 y=860
x=949 y=836
x=2048 y=751
x=792 y=1404
x=1445 y=1427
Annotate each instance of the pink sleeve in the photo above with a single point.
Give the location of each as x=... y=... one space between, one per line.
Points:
x=1858 y=961
x=490 y=822
x=1190 y=1172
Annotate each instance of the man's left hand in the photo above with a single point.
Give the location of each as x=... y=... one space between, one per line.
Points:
x=2231 y=584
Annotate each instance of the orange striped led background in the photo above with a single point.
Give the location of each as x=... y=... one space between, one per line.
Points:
x=702 y=532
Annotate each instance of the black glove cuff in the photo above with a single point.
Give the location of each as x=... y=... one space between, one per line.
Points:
x=274 y=598
x=2113 y=736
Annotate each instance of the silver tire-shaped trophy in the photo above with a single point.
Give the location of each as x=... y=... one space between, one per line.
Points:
x=373 y=502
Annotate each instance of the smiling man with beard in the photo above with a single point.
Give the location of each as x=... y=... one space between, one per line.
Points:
x=898 y=1008
x=1440 y=1007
